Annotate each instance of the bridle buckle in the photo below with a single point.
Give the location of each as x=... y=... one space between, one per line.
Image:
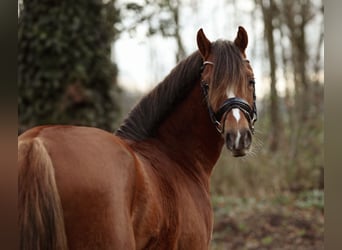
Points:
x=218 y=126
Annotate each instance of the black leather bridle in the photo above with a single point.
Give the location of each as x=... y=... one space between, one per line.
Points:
x=229 y=104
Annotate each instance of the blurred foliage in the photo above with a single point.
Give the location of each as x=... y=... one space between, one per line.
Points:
x=308 y=199
x=311 y=198
x=277 y=222
x=157 y=14
x=65 y=73
x=161 y=17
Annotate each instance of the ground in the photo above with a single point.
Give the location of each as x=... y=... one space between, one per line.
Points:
x=285 y=222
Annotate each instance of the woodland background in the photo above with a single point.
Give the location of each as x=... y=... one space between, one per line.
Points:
x=272 y=199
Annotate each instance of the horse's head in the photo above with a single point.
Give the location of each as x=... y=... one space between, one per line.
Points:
x=228 y=84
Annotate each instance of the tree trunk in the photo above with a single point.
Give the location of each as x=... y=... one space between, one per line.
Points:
x=180 y=47
x=269 y=11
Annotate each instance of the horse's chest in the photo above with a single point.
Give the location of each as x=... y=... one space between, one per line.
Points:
x=186 y=226
x=184 y=235
x=170 y=216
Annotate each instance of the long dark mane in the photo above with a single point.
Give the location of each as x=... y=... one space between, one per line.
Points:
x=146 y=116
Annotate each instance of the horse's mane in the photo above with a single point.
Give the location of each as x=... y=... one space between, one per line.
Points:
x=144 y=119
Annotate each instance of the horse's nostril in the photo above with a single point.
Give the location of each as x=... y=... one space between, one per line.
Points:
x=230 y=140
x=247 y=139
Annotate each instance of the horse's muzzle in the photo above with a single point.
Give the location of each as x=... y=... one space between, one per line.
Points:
x=239 y=141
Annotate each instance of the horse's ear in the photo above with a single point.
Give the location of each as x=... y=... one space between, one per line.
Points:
x=204 y=45
x=241 y=40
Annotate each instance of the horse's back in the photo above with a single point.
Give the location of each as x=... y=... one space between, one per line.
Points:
x=95 y=176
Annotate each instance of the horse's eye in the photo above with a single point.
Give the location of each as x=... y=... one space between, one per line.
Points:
x=252 y=82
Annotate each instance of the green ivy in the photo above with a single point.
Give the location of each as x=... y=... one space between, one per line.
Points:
x=65 y=74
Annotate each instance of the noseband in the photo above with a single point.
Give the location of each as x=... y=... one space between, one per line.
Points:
x=229 y=104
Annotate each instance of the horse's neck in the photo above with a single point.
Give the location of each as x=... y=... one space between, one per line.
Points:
x=188 y=134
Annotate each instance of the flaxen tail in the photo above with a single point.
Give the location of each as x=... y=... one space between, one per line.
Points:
x=41 y=221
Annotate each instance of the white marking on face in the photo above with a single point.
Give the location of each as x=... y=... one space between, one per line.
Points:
x=230 y=94
x=237 y=140
x=236 y=114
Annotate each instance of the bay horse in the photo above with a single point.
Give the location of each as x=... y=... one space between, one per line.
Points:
x=147 y=185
